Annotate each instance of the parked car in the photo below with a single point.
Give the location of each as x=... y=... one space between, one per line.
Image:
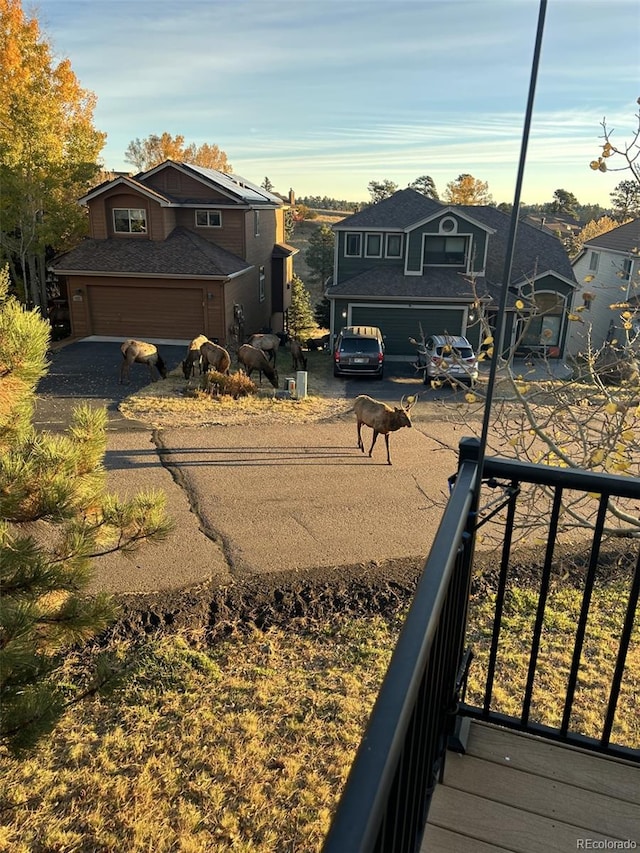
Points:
x=448 y=357
x=359 y=351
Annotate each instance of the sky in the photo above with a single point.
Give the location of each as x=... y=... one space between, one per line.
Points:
x=324 y=96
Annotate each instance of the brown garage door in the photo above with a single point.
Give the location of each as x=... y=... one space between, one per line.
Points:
x=146 y=312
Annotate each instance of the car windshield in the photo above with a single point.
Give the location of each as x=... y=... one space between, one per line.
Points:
x=365 y=345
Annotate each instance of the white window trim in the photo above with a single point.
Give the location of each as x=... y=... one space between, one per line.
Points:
x=367 y=254
x=208 y=214
x=386 y=246
x=468 y=238
x=128 y=210
x=261 y=284
x=346 y=243
x=594 y=260
x=256 y=223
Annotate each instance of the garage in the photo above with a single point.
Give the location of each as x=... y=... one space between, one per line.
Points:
x=399 y=323
x=146 y=312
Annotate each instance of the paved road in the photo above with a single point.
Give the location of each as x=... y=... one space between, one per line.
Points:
x=249 y=500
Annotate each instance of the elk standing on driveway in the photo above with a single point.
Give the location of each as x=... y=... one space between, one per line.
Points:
x=193 y=357
x=142 y=353
x=252 y=358
x=215 y=356
x=381 y=418
x=267 y=343
x=297 y=356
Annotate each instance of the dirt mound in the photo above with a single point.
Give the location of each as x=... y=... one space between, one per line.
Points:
x=274 y=600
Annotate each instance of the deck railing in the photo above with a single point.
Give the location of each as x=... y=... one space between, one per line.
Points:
x=385 y=803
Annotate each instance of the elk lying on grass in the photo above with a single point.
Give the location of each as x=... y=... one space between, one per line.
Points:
x=267 y=343
x=251 y=358
x=215 y=357
x=298 y=358
x=381 y=418
x=141 y=353
x=193 y=357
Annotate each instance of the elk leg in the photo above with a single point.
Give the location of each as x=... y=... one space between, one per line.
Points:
x=360 y=441
x=386 y=441
x=375 y=438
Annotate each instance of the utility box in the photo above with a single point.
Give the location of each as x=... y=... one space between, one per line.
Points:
x=301 y=384
x=290 y=385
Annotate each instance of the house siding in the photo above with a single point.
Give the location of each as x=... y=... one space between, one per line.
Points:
x=608 y=288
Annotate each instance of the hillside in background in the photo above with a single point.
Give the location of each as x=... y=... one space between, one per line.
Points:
x=300 y=240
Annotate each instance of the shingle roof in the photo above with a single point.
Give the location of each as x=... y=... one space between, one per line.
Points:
x=536 y=252
x=439 y=284
x=400 y=210
x=183 y=253
x=625 y=238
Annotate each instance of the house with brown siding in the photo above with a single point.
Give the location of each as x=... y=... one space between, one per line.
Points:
x=178 y=251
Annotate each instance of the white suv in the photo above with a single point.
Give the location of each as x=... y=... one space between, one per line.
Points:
x=449 y=357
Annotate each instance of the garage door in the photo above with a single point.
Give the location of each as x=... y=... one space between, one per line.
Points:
x=146 y=312
x=401 y=323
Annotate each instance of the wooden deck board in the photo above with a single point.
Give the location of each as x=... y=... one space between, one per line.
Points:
x=515 y=792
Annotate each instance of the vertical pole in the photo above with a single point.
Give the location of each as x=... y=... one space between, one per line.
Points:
x=498 y=341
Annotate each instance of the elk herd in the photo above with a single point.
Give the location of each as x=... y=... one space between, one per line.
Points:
x=259 y=354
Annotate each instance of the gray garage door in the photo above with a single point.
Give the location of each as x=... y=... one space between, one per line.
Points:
x=401 y=323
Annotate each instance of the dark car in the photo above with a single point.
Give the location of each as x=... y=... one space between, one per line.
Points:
x=359 y=351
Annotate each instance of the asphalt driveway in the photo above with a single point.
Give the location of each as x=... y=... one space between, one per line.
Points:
x=254 y=500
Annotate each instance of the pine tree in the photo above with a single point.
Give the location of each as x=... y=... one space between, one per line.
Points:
x=55 y=518
x=319 y=255
x=301 y=319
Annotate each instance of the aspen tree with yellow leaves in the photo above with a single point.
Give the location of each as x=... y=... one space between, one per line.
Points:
x=49 y=152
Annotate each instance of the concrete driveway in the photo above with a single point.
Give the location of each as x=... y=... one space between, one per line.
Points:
x=249 y=500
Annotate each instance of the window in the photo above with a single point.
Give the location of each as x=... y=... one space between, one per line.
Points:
x=373 y=246
x=448 y=225
x=261 y=285
x=593 y=261
x=626 y=269
x=256 y=223
x=394 y=245
x=129 y=220
x=209 y=218
x=445 y=251
x=542 y=329
x=353 y=246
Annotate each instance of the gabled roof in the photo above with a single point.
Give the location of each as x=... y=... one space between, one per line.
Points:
x=183 y=254
x=232 y=185
x=625 y=238
x=130 y=183
x=401 y=210
x=536 y=254
x=535 y=250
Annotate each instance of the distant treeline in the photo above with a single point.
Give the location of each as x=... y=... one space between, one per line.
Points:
x=317 y=202
x=583 y=212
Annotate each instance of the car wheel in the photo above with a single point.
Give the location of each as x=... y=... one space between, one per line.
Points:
x=336 y=373
x=380 y=375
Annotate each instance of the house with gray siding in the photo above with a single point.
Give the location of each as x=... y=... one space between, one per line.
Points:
x=608 y=274
x=410 y=261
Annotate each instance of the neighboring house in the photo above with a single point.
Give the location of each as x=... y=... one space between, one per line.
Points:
x=179 y=251
x=608 y=273
x=409 y=261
